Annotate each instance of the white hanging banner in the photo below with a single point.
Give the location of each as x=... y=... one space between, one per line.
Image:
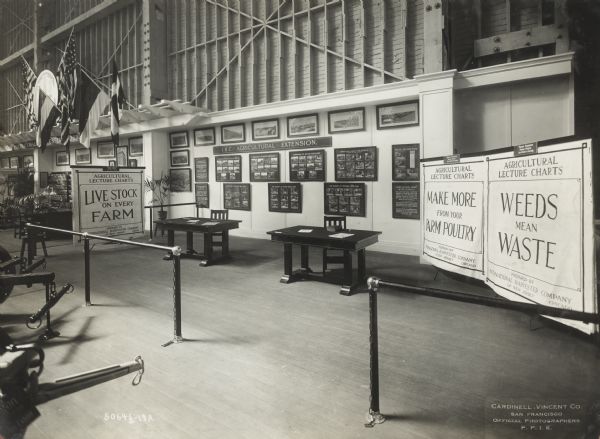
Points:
x=452 y=215
x=540 y=233
x=522 y=224
x=109 y=203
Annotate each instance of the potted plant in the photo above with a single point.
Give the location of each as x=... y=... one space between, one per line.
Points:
x=160 y=189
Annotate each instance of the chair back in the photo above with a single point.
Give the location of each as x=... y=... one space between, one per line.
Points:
x=334 y=222
x=219 y=214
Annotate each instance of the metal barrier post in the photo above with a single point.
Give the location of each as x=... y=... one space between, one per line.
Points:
x=86 y=251
x=151 y=225
x=373 y=417
x=177 y=338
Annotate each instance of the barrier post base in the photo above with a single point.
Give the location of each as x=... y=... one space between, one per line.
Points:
x=374 y=418
x=48 y=334
x=176 y=339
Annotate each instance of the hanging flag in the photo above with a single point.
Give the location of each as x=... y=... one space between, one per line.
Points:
x=117 y=99
x=92 y=103
x=67 y=85
x=48 y=113
x=29 y=79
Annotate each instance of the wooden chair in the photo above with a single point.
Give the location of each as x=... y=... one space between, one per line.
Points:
x=218 y=215
x=337 y=223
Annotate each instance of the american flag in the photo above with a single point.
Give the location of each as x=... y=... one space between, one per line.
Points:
x=117 y=99
x=29 y=79
x=67 y=85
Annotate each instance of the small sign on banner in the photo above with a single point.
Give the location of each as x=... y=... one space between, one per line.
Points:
x=526 y=149
x=452 y=159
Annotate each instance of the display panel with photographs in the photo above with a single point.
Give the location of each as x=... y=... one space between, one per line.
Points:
x=356 y=164
x=406 y=200
x=105 y=150
x=237 y=196
x=202 y=195
x=181 y=179
x=179 y=139
x=136 y=147
x=346 y=120
x=204 y=136
x=285 y=197
x=180 y=158
x=265 y=129
x=264 y=167
x=305 y=125
x=307 y=165
x=345 y=199
x=201 y=169
x=405 y=162
x=228 y=168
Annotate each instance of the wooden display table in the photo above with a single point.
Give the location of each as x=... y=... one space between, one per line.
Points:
x=348 y=240
x=208 y=227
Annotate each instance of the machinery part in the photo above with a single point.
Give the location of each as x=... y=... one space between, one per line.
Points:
x=5 y=290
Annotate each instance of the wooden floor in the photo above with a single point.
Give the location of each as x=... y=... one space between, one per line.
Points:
x=267 y=360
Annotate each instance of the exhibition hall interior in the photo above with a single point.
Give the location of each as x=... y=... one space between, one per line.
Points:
x=299 y=219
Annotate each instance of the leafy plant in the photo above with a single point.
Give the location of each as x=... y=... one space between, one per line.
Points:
x=160 y=188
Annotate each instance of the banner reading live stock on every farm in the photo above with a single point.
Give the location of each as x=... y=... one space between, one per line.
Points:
x=522 y=224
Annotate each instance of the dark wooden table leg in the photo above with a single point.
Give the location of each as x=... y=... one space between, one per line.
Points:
x=347 y=286
x=208 y=250
x=190 y=243
x=225 y=243
x=287 y=264
x=170 y=243
x=362 y=265
x=304 y=258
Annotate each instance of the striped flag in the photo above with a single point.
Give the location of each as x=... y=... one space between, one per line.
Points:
x=93 y=102
x=48 y=113
x=117 y=99
x=29 y=79
x=67 y=86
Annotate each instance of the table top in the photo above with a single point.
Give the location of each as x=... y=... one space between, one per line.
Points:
x=199 y=224
x=350 y=239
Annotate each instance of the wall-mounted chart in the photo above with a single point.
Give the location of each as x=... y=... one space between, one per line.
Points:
x=285 y=197
x=228 y=168
x=345 y=199
x=307 y=165
x=356 y=164
x=264 y=167
x=237 y=196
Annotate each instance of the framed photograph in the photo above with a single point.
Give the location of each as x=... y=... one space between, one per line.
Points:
x=62 y=158
x=356 y=164
x=233 y=133
x=112 y=163
x=28 y=161
x=202 y=195
x=180 y=158
x=264 y=167
x=181 y=180
x=179 y=139
x=307 y=165
x=306 y=125
x=83 y=156
x=201 y=169
x=346 y=120
x=265 y=129
x=4 y=163
x=398 y=115
x=133 y=163
x=121 y=153
x=405 y=162
x=204 y=136
x=14 y=162
x=136 y=147
x=237 y=196
x=285 y=197
x=228 y=168
x=105 y=150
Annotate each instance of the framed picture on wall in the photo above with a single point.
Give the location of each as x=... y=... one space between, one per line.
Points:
x=133 y=163
x=14 y=162
x=398 y=115
x=265 y=129
x=105 y=150
x=4 y=163
x=83 y=156
x=233 y=133
x=112 y=163
x=121 y=153
x=28 y=161
x=306 y=125
x=62 y=158
x=180 y=158
x=179 y=139
x=204 y=136
x=136 y=147
x=181 y=180
x=346 y=120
